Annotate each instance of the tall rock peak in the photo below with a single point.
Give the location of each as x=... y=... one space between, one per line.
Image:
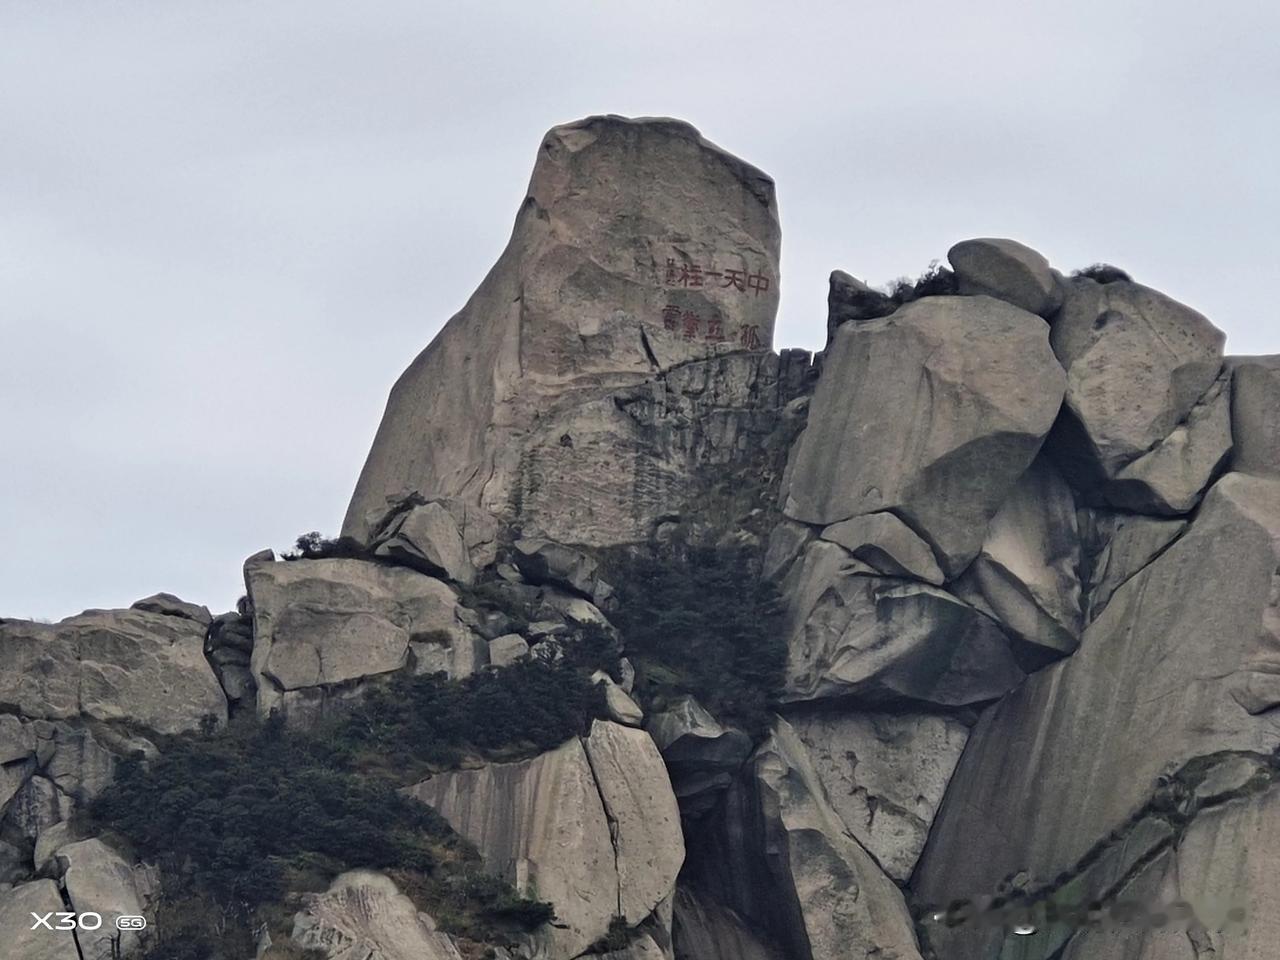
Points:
x=640 y=247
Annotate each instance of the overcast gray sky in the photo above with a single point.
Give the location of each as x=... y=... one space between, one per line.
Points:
x=226 y=227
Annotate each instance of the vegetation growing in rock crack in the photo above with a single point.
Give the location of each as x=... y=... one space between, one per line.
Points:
x=314 y=546
x=238 y=818
x=701 y=621
x=936 y=281
x=1103 y=273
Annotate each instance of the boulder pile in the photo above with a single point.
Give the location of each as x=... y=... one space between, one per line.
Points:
x=1024 y=528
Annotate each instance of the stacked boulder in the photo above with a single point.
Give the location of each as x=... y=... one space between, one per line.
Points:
x=78 y=696
x=1025 y=527
x=1137 y=540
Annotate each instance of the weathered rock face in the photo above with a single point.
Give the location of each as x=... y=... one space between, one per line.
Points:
x=228 y=646
x=592 y=827
x=1137 y=363
x=1115 y=547
x=781 y=856
x=887 y=545
x=126 y=665
x=639 y=247
x=540 y=824
x=99 y=880
x=695 y=445
x=16 y=906
x=931 y=414
x=1223 y=860
x=701 y=754
x=321 y=626
x=848 y=299
x=881 y=640
x=1179 y=665
x=1255 y=415
x=362 y=916
x=706 y=930
x=884 y=775
x=1172 y=476
x=1026 y=577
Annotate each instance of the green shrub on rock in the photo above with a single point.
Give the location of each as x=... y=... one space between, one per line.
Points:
x=240 y=818
x=701 y=621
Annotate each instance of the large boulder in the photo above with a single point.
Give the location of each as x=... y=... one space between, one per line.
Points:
x=17 y=904
x=644 y=818
x=37 y=806
x=884 y=775
x=363 y=916
x=702 y=755
x=539 y=824
x=1007 y=270
x=617 y=702
x=445 y=536
x=639 y=247
x=852 y=633
x=322 y=626
x=99 y=880
x=167 y=603
x=886 y=544
x=1255 y=415
x=426 y=537
x=780 y=855
x=1027 y=574
x=1172 y=476
x=931 y=414
x=1137 y=362
x=848 y=298
x=543 y=562
x=1183 y=657
x=17 y=756
x=133 y=666
x=80 y=766
x=591 y=827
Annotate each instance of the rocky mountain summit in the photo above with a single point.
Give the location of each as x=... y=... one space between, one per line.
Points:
x=959 y=640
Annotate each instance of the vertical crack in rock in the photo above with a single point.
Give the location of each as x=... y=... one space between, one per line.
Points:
x=609 y=818
x=71 y=908
x=648 y=350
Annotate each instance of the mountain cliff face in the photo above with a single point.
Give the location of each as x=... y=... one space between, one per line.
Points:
x=958 y=641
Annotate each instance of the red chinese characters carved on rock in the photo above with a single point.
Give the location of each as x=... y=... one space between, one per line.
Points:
x=694 y=275
x=691 y=322
x=689 y=325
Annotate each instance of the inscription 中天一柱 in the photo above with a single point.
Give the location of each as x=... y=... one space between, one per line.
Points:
x=694 y=275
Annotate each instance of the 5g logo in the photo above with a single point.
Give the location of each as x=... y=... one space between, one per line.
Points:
x=84 y=921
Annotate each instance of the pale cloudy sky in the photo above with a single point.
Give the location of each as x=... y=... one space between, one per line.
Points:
x=226 y=227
